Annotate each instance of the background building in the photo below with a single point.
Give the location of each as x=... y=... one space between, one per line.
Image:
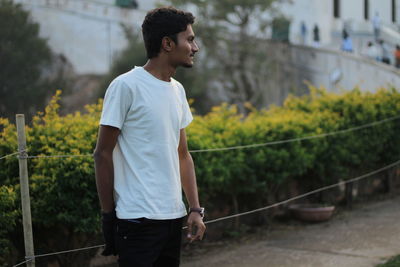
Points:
x=88 y=33
x=332 y=16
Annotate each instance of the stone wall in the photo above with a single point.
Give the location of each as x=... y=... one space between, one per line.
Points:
x=295 y=65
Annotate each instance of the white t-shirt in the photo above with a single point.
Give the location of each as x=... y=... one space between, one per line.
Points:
x=150 y=113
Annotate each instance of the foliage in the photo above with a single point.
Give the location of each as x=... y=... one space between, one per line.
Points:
x=24 y=55
x=63 y=193
x=351 y=153
x=63 y=196
x=232 y=36
x=252 y=176
x=7 y=220
x=393 y=262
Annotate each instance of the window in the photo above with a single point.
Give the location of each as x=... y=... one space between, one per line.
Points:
x=127 y=3
x=394 y=10
x=336 y=8
x=366 y=9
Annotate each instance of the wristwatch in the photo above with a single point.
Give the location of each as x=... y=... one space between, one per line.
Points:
x=198 y=210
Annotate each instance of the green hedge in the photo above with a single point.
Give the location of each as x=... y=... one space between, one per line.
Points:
x=392 y=262
x=63 y=193
x=64 y=203
x=237 y=176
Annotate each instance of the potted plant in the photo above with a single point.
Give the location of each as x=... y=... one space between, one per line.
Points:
x=312 y=212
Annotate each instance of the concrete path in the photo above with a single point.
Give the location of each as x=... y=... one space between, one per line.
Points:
x=364 y=237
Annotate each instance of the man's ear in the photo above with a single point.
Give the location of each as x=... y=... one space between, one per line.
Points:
x=167 y=44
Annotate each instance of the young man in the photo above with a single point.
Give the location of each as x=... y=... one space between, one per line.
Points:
x=141 y=158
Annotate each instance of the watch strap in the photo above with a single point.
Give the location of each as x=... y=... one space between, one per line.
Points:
x=198 y=210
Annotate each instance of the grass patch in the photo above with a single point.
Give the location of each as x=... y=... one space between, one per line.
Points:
x=393 y=262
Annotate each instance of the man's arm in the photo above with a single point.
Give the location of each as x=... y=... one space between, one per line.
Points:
x=189 y=185
x=104 y=167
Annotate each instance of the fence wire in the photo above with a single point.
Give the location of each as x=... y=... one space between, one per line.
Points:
x=9 y=155
x=243 y=213
x=364 y=126
x=368 y=125
x=19 y=264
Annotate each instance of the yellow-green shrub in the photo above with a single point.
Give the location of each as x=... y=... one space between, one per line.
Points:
x=7 y=220
x=65 y=211
x=63 y=193
x=351 y=153
x=248 y=177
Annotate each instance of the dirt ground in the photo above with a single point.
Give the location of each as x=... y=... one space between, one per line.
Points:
x=367 y=235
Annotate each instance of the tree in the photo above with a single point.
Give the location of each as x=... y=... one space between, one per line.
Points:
x=233 y=33
x=24 y=56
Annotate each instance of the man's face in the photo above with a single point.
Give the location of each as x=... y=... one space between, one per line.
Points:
x=184 y=51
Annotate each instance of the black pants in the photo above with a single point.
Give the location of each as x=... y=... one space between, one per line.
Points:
x=149 y=243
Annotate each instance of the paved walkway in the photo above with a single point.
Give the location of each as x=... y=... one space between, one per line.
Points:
x=364 y=237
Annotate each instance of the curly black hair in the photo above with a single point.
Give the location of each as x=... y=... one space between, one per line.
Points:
x=162 y=22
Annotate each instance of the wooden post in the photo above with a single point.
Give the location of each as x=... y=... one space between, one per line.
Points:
x=26 y=204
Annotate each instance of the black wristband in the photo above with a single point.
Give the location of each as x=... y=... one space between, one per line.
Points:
x=108 y=221
x=109 y=216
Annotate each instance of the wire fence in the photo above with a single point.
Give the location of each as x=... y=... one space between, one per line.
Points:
x=21 y=263
x=298 y=139
x=59 y=156
x=9 y=155
x=352 y=129
x=352 y=180
x=369 y=125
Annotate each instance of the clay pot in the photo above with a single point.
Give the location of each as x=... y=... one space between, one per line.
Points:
x=311 y=212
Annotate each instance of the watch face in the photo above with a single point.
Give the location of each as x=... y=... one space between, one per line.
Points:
x=202 y=212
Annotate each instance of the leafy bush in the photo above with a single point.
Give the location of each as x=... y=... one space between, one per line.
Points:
x=7 y=220
x=245 y=178
x=63 y=193
x=351 y=153
x=392 y=262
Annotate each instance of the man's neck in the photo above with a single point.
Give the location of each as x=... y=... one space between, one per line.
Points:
x=160 y=69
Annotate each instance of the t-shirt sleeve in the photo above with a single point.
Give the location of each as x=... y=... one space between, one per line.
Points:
x=116 y=104
x=186 y=113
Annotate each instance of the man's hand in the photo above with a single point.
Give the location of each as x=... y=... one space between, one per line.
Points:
x=195 y=222
x=109 y=225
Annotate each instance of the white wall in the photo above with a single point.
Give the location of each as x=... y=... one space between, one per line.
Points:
x=321 y=12
x=383 y=7
x=87 y=33
x=352 y=10
x=398 y=12
x=319 y=65
x=324 y=13
x=289 y=66
x=312 y=12
x=298 y=11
